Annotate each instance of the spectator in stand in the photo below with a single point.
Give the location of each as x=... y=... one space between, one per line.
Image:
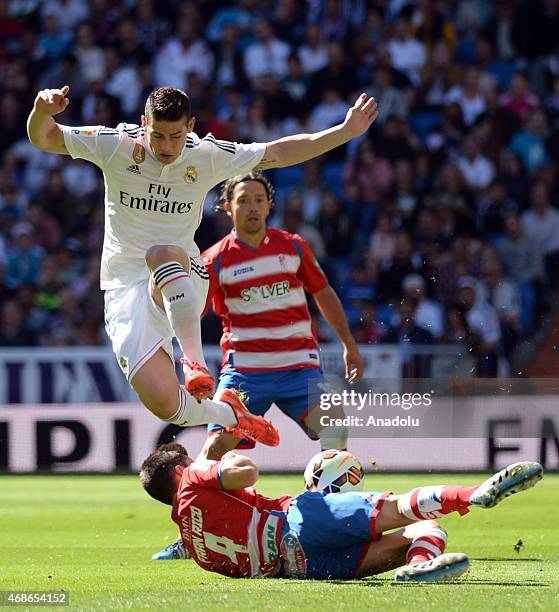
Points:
x=407 y=333
x=68 y=12
x=393 y=270
x=431 y=24
x=406 y=52
x=406 y=195
x=229 y=66
x=329 y=111
x=468 y=96
x=373 y=174
x=314 y=52
x=293 y=222
x=397 y=142
x=13 y=330
x=261 y=125
x=504 y=296
x=483 y=321
x=496 y=126
x=53 y=42
x=522 y=258
x=452 y=194
x=267 y=55
x=90 y=57
x=288 y=19
x=339 y=74
x=429 y=240
x=523 y=263
x=518 y=98
x=382 y=243
x=428 y=314
x=492 y=210
x=461 y=260
x=182 y=54
x=516 y=178
x=475 y=167
x=336 y=228
x=151 y=28
x=437 y=76
x=531 y=143
x=312 y=191
x=499 y=30
x=541 y=227
x=393 y=101
x=24 y=260
x=296 y=85
x=46 y=229
x=122 y=81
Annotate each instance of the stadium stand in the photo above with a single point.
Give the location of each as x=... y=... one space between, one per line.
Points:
x=439 y=226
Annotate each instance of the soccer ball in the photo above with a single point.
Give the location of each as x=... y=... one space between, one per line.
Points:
x=334 y=471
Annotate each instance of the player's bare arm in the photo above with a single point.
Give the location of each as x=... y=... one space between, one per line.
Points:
x=238 y=471
x=332 y=310
x=43 y=131
x=300 y=148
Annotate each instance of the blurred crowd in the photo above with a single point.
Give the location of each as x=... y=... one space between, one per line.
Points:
x=438 y=226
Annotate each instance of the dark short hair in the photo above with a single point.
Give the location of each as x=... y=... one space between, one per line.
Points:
x=158 y=471
x=230 y=184
x=168 y=104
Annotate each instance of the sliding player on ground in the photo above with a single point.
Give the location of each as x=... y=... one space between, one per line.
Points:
x=230 y=529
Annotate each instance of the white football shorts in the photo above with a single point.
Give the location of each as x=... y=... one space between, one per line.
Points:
x=137 y=326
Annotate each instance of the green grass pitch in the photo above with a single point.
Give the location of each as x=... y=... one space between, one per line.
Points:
x=93 y=537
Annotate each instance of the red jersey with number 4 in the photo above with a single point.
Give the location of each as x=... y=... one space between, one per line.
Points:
x=259 y=292
x=234 y=533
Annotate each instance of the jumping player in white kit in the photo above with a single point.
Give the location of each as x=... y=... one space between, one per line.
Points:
x=157 y=176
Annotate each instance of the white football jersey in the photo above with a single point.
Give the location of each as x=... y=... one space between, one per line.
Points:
x=147 y=202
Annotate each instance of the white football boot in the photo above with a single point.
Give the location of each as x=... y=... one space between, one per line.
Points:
x=515 y=477
x=444 y=568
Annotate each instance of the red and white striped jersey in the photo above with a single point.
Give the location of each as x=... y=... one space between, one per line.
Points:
x=234 y=533
x=259 y=293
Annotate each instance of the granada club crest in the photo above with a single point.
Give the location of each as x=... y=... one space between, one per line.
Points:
x=282 y=263
x=139 y=153
x=190 y=174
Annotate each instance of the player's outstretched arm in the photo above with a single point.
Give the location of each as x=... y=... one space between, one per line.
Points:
x=299 y=148
x=42 y=129
x=332 y=310
x=237 y=471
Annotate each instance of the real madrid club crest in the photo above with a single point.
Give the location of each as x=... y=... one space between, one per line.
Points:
x=139 y=153
x=123 y=362
x=190 y=174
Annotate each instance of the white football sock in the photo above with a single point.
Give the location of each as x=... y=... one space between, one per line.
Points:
x=182 y=306
x=191 y=412
x=333 y=437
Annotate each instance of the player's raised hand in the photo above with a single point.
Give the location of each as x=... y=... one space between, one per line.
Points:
x=52 y=101
x=361 y=115
x=354 y=364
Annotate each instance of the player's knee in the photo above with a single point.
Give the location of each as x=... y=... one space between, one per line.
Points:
x=161 y=401
x=161 y=253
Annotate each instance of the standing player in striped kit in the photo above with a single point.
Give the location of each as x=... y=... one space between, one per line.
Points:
x=157 y=175
x=258 y=280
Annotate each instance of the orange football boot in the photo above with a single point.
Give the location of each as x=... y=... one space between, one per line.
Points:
x=249 y=425
x=197 y=380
